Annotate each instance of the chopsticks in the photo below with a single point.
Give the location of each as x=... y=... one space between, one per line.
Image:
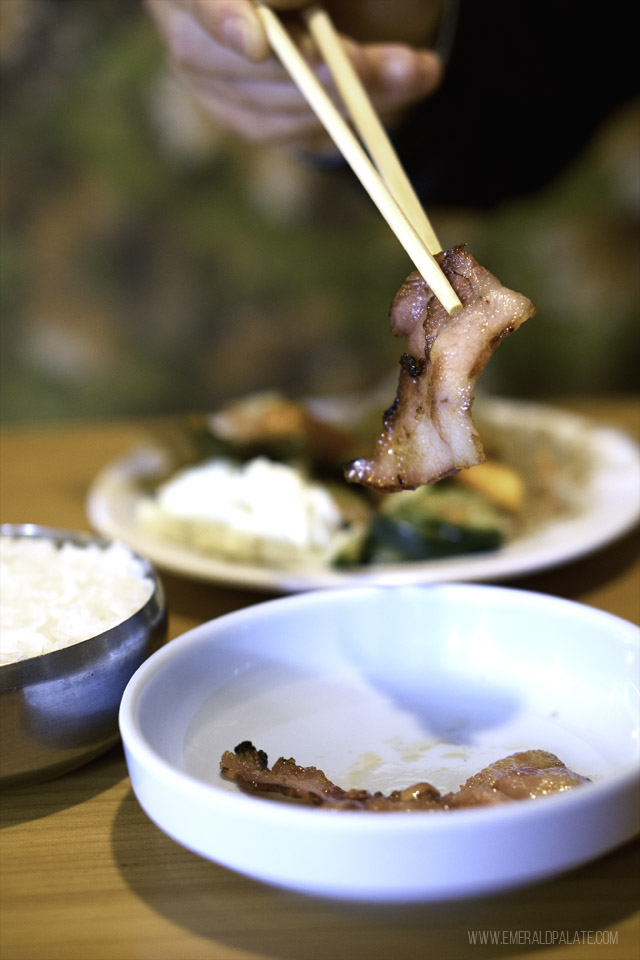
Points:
x=388 y=187
x=368 y=125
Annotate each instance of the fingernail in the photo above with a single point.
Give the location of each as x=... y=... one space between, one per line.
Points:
x=411 y=69
x=244 y=38
x=398 y=68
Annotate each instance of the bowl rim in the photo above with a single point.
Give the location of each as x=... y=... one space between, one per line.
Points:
x=47 y=666
x=138 y=748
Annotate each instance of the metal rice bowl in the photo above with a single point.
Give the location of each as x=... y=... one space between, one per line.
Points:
x=59 y=710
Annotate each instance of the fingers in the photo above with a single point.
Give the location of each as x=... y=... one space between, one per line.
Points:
x=209 y=41
x=235 y=25
x=395 y=75
x=192 y=49
x=232 y=24
x=266 y=107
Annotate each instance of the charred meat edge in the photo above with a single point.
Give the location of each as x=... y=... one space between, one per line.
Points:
x=523 y=775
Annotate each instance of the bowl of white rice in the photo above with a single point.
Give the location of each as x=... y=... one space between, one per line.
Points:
x=78 y=615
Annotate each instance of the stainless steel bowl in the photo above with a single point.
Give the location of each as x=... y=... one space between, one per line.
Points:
x=60 y=709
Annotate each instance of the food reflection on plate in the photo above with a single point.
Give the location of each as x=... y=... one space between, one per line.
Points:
x=260 y=482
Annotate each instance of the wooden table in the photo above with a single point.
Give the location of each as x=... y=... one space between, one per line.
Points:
x=86 y=876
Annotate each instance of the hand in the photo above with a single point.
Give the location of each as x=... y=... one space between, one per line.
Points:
x=219 y=48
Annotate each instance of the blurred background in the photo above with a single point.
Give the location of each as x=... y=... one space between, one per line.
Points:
x=151 y=264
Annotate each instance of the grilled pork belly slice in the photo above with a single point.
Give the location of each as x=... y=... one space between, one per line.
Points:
x=524 y=775
x=428 y=432
x=521 y=776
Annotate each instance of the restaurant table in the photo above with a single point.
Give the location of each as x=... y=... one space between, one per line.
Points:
x=85 y=875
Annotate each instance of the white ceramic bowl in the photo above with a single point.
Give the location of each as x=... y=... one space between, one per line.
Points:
x=380 y=688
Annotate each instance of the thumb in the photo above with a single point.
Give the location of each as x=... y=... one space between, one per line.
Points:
x=235 y=25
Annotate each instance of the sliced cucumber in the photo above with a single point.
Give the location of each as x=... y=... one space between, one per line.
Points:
x=431 y=523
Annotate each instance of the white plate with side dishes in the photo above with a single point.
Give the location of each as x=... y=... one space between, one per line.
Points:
x=596 y=474
x=383 y=687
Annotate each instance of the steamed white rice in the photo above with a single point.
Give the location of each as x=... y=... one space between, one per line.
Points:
x=54 y=596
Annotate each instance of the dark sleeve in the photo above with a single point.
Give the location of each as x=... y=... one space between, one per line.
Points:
x=526 y=86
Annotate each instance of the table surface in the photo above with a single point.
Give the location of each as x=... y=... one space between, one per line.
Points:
x=84 y=874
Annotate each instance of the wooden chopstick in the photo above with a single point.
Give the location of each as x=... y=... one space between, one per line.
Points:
x=356 y=157
x=368 y=124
